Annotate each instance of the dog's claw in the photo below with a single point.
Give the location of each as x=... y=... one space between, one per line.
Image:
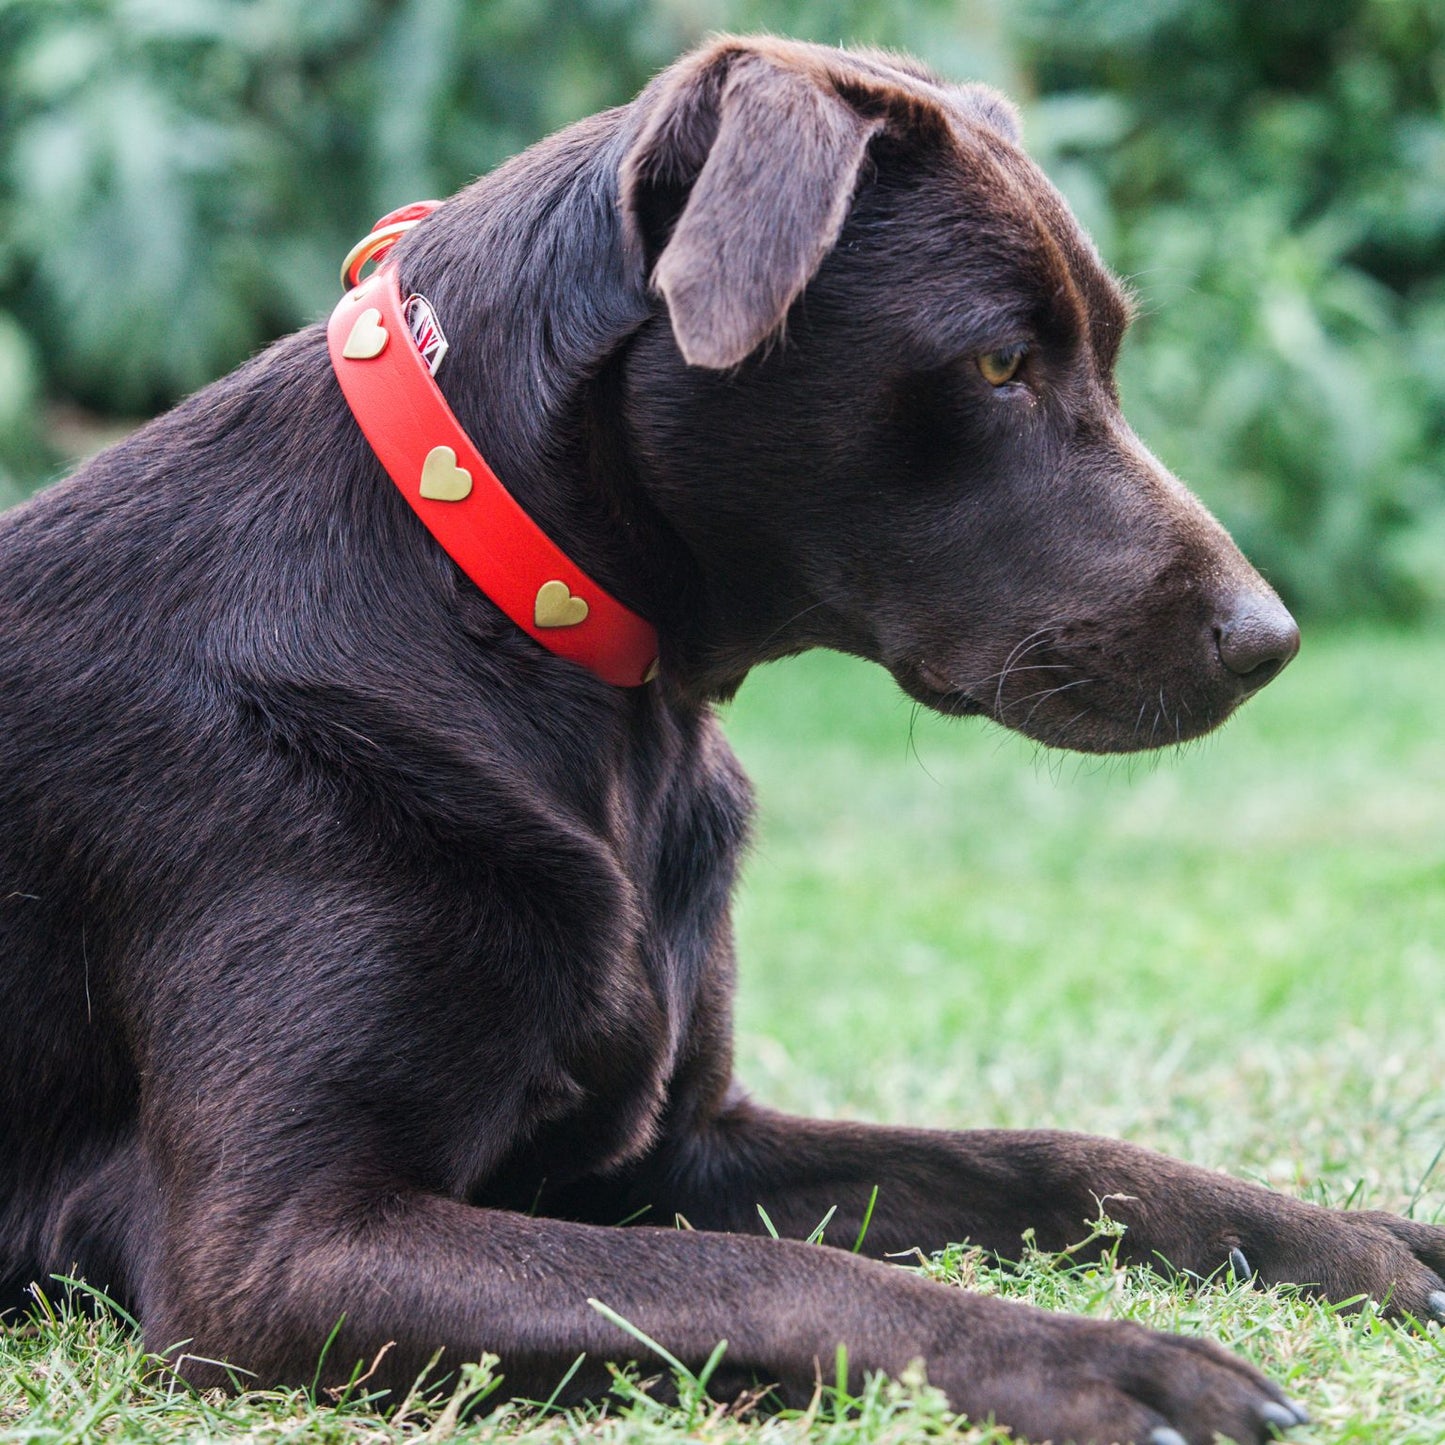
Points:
x=1282 y=1417
x=1239 y=1266
x=1435 y=1301
x=1166 y=1435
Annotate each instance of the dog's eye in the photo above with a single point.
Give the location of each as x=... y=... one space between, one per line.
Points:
x=998 y=368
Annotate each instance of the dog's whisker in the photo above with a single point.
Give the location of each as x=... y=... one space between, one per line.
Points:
x=1061 y=733
x=1161 y=715
x=991 y=677
x=913 y=741
x=1054 y=692
x=783 y=626
x=1019 y=651
x=1045 y=694
x=1139 y=721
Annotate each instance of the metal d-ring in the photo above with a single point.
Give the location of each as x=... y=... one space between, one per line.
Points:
x=370 y=248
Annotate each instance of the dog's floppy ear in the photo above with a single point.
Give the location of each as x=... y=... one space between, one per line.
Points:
x=752 y=160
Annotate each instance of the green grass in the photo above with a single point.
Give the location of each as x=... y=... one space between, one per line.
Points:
x=1235 y=953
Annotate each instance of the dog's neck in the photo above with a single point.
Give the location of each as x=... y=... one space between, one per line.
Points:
x=539 y=293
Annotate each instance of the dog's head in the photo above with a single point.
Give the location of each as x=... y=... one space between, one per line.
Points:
x=877 y=404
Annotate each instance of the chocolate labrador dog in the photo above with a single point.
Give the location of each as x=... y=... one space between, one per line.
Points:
x=364 y=960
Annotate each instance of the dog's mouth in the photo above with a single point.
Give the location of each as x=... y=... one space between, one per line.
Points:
x=929 y=685
x=1057 y=704
x=1054 y=709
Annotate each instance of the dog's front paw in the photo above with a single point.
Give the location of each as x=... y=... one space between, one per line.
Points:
x=1180 y=1217
x=1344 y=1255
x=1096 y=1382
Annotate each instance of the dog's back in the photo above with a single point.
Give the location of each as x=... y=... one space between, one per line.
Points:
x=109 y=723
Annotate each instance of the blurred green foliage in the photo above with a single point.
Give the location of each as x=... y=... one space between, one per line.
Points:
x=178 y=179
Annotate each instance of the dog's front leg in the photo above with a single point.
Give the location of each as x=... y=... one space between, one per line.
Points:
x=410 y=1274
x=990 y=1186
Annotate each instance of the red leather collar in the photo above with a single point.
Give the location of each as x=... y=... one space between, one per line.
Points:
x=389 y=387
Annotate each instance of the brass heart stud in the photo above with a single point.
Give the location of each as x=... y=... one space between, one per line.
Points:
x=557 y=607
x=442 y=480
x=368 y=337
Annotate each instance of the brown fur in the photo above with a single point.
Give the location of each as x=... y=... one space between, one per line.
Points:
x=361 y=961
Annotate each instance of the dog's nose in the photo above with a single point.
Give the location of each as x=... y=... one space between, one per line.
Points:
x=1256 y=637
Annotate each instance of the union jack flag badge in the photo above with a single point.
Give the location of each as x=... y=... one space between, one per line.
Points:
x=426 y=331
